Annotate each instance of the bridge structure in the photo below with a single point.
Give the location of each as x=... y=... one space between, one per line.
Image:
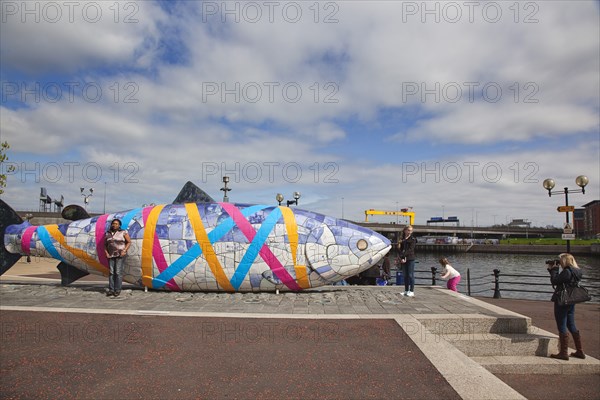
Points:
x=475 y=232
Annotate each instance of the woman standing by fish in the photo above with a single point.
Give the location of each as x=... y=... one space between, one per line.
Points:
x=116 y=244
x=407 y=259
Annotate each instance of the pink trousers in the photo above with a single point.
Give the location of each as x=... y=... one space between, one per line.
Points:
x=453 y=283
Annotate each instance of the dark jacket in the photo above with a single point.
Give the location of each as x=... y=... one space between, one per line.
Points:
x=407 y=248
x=566 y=277
x=385 y=267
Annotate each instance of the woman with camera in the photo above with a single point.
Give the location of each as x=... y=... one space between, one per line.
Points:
x=565 y=314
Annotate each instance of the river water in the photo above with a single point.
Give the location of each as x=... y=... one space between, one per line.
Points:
x=482 y=265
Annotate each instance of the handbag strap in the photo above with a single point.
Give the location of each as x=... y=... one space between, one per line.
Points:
x=574 y=277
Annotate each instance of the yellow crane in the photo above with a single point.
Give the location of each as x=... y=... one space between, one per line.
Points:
x=406 y=212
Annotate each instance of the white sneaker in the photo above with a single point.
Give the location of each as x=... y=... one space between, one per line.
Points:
x=404 y=293
x=410 y=294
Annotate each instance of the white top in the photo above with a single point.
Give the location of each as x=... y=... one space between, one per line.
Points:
x=449 y=272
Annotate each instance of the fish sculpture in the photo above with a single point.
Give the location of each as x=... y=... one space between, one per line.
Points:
x=197 y=244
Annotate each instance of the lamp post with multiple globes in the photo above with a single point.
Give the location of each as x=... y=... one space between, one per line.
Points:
x=86 y=197
x=549 y=184
x=280 y=198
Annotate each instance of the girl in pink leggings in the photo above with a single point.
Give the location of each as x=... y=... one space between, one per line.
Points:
x=449 y=273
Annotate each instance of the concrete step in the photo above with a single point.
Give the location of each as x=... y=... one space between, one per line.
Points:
x=538 y=365
x=503 y=344
x=474 y=323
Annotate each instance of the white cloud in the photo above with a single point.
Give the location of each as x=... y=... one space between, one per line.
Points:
x=484 y=185
x=508 y=121
x=55 y=37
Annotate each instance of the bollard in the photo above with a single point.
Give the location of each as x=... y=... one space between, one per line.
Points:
x=497 y=284
x=433 y=271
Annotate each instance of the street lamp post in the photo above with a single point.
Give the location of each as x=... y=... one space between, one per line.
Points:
x=549 y=184
x=225 y=189
x=295 y=201
x=472 y=221
x=279 y=197
x=86 y=197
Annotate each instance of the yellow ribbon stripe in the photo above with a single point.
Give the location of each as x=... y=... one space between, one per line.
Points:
x=59 y=237
x=207 y=249
x=292 y=232
x=148 y=245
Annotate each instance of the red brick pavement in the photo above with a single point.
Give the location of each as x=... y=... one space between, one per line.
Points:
x=96 y=356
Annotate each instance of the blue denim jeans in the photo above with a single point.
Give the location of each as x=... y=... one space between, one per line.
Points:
x=565 y=318
x=115 y=277
x=408 y=269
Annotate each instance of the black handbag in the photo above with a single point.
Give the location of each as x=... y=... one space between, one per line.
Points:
x=573 y=294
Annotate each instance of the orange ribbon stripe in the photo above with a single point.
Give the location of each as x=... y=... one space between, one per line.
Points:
x=207 y=249
x=59 y=237
x=292 y=232
x=148 y=244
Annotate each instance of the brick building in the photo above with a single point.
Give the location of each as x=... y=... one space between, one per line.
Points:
x=579 y=222
x=591 y=219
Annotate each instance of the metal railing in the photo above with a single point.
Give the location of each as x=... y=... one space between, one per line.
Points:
x=591 y=284
x=420 y=275
x=495 y=283
x=477 y=283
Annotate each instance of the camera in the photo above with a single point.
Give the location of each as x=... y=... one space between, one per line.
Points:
x=553 y=262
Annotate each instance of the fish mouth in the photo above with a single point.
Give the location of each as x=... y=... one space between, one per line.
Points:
x=365 y=251
x=343 y=251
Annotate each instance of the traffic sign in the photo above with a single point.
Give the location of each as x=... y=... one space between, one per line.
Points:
x=568 y=228
x=566 y=209
x=568 y=236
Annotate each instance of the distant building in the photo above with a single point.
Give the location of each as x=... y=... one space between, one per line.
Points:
x=521 y=223
x=579 y=222
x=591 y=219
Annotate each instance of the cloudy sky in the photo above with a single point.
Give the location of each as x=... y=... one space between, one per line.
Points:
x=452 y=108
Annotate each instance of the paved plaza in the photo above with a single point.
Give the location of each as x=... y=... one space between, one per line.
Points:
x=332 y=342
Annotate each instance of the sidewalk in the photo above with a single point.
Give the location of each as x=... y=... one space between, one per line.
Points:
x=334 y=343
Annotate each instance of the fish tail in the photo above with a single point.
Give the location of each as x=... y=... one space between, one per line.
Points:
x=8 y=216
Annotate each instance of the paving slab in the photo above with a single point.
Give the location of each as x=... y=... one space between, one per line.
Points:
x=360 y=314
x=333 y=299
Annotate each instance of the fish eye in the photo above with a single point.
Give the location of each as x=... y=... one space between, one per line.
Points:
x=362 y=244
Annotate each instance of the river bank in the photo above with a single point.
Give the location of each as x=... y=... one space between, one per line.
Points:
x=591 y=250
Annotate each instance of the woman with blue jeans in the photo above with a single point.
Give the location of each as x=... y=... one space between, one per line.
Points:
x=407 y=260
x=565 y=315
x=116 y=244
